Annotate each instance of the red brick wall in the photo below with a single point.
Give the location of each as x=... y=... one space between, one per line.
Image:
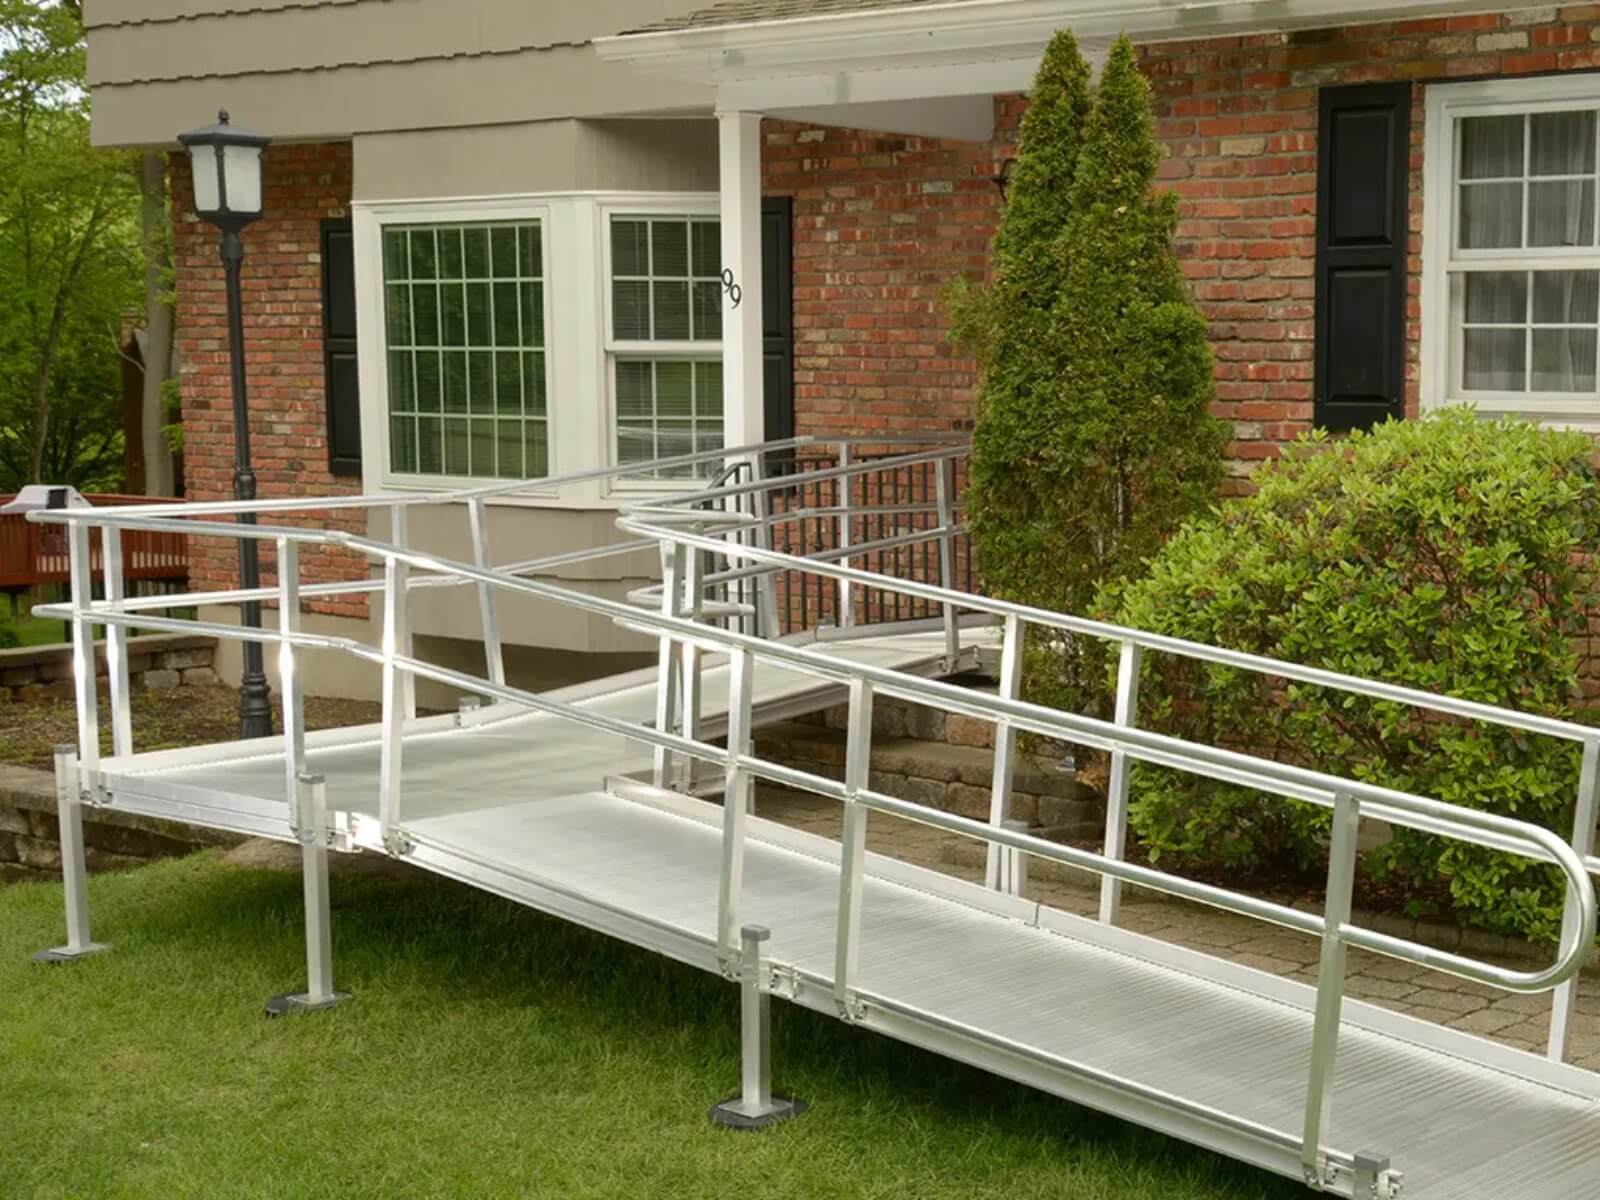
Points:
x=882 y=222
x=282 y=285
x=1240 y=117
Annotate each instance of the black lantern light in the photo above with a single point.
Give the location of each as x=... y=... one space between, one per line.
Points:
x=1002 y=177
x=226 y=163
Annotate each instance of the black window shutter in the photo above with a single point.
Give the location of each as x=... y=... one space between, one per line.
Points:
x=777 y=317
x=1363 y=181
x=341 y=379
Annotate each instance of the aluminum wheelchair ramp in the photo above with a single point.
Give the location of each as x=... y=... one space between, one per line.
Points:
x=1110 y=1018
x=581 y=803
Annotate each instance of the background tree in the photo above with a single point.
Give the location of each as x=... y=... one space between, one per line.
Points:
x=70 y=255
x=1094 y=439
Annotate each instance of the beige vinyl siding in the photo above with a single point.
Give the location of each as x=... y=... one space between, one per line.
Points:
x=98 y=13
x=652 y=155
x=518 y=534
x=330 y=70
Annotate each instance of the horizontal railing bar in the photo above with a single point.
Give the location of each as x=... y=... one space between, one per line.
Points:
x=1247 y=906
x=357 y=586
x=1099 y=864
x=1243 y=660
x=799 y=479
x=854 y=550
x=411 y=498
x=620 y=471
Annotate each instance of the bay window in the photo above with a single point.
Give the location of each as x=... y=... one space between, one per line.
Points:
x=530 y=338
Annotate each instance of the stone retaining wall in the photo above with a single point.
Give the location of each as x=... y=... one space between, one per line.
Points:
x=30 y=837
x=32 y=674
x=952 y=777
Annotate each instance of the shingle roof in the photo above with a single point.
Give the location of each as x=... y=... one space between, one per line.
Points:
x=740 y=12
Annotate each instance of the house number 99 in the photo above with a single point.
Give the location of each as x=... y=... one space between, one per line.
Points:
x=735 y=292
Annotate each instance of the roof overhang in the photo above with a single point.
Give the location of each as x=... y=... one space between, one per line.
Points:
x=896 y=58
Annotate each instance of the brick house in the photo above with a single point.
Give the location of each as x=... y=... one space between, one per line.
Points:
x=1386 y=207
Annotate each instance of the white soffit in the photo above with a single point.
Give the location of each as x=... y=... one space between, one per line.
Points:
x=962 y=48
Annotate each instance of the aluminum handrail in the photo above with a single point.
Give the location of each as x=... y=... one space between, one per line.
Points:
x=1244 y=660
x=1090 y=731
x=409 y=499
x=1396 y=806
x=360 y=586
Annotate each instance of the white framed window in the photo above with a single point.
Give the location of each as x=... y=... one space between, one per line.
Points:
x=464 y=333
x=533 y=337
x=663 y=342
x=1511 y=248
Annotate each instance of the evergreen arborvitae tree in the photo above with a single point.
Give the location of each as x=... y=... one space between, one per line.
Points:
x=1097 y=443
x=1008 y=327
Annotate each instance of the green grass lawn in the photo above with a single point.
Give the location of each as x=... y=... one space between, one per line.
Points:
x=34 y=631
x=490 y=1052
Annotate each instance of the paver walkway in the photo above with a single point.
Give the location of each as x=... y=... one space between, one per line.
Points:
x=1519 y=1020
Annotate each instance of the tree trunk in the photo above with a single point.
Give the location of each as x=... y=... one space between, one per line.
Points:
x=158 y=320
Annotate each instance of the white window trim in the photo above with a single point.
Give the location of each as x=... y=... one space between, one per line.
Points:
x=1445 y=105
x=612 y=349
x=581 y=393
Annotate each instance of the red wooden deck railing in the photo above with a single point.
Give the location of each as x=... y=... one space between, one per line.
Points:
x=31 y=555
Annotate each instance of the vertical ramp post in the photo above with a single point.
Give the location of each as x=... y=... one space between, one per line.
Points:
x=392 y=743
x=736 y=804
x=768 y=624
x=1117 y=788
x=755 y=1107
x=945 y=490
x=1330 y=987
x=88 y=704
x=400 y=535
x=1005 y=748
x=493 y=652
x=116 y=644
x=672 y=564
x=853 y=850
x=319 y=993
x=1013 y=862
x=74 y=868
x=289 y=690
x=690 y=658
x=1583 y=832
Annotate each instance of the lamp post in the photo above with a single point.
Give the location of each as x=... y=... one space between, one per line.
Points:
x=226 y=165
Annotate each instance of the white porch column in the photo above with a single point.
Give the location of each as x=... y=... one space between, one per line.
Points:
x=742 y=368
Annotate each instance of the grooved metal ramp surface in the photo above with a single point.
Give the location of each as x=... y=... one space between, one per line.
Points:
x=505 y=755
x=1457 y=1129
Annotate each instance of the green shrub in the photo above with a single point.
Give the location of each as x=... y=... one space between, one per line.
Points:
x=1448 y=554
x=1094 y=439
